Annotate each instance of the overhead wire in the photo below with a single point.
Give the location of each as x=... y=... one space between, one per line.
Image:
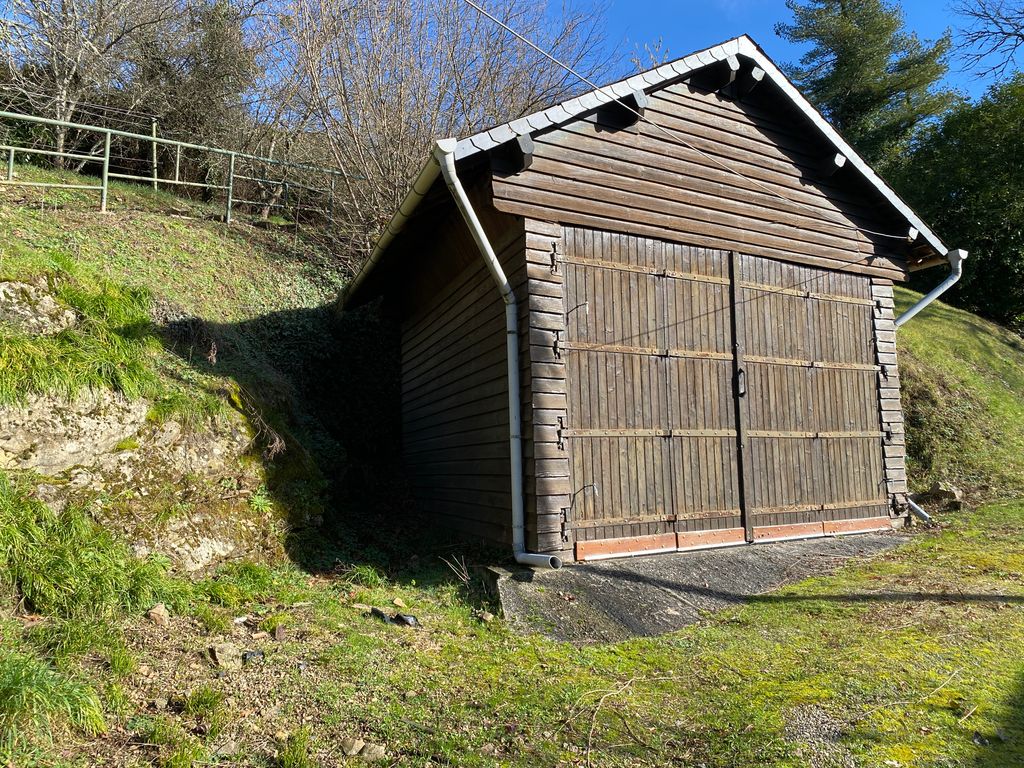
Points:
x=675 y=135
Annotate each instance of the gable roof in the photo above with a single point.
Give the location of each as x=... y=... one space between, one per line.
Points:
x=571 y=109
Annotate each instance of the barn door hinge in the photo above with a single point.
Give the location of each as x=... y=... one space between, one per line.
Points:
x=887 y=437
x=554 y=257
x=559 y=436
x=879 y=310
x=555 y=346
x=565 y=525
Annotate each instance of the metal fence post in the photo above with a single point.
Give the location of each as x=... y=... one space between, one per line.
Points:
x=177 y=163
x=231 y=187
x=10 y=165
x=155 y=171
x=106 y=172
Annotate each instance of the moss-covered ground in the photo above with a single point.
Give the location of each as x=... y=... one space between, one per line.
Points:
x=912 y=659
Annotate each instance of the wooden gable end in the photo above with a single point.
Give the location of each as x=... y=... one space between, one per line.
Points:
x=749 y=174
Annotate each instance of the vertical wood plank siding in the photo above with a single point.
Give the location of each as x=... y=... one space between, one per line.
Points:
x=651 y=424
x=643 y=182
x=653 y=330
x=455 y=400
x=812 y=399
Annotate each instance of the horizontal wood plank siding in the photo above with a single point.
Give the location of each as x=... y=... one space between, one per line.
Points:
x=677 y=182
x=547 y=465
x=455 y=396
x=890 y=412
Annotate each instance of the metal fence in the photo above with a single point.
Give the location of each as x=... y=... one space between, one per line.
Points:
x=296 y=188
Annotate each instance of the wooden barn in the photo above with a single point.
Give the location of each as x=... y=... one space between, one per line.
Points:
x=655 y=317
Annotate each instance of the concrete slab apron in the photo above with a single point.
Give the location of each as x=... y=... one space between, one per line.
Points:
x=613 y=600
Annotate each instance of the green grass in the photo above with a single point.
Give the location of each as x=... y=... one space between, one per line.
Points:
x=222 y=273
x=35 y=699
x=175 y=747
x=67 y=566
x=963 y=395
x=295 y=752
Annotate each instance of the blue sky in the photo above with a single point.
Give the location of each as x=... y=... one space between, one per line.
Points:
x=689 y=25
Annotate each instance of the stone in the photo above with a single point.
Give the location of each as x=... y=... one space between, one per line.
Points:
x=32 y=309
x=279 y=633
x=159 y=703
x=226 y=656
x=228 y=748
x=351 y=747
x=399 y=602
x=486 y=617
x=373 y=752
x=158 y=615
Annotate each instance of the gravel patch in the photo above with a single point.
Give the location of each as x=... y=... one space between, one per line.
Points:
x=613 y=600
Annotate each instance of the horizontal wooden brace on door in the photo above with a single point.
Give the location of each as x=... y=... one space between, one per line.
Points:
x=799 y=293
x=645 y=269
x=622 y=349
x=658 y=543
x=870 y=434
x=823 y=364
x=882 y=502
x=681 y=517
x=767 y=533
x=581 y=433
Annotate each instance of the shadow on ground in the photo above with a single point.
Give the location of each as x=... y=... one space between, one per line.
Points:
x=325 y=387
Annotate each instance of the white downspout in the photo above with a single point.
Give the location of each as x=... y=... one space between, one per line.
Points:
x=956 y=260
x=444 y=152
x=918 y=512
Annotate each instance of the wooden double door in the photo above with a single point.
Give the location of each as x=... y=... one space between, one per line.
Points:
x=715 y=398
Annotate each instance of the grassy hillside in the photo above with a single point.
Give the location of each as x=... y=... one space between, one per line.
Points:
x=176 y=306
x=963 y=393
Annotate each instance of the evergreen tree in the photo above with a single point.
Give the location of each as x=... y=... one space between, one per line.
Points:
x=872 y=79
x=964 y=175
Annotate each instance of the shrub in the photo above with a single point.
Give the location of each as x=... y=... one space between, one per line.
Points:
x=295 y=752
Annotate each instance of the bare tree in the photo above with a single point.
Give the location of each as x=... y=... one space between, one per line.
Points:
x=382 y=78
x=59 y=51
x=995 y=37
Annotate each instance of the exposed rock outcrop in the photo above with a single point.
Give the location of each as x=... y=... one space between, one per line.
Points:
x=51 y=436
x=182 y=492
x=32 y=309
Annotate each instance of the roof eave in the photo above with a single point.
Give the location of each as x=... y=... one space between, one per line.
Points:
x=420 y=186
x=571 y=109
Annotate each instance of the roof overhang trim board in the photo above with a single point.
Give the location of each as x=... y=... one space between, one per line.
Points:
x=580 y=105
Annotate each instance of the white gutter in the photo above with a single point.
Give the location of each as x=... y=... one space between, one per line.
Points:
x=956 y=261
x=444 y=155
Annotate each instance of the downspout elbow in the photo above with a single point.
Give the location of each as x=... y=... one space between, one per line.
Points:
x=956 y=268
